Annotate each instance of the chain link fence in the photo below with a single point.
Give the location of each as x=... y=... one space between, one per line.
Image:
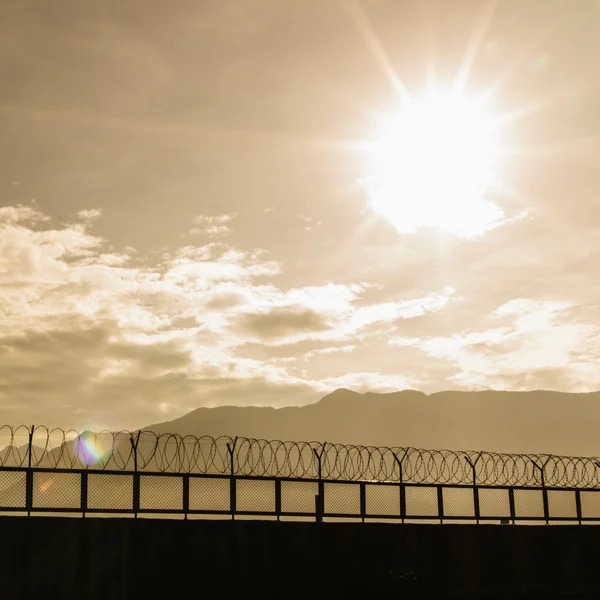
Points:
x=142 y=473
x=33 y=490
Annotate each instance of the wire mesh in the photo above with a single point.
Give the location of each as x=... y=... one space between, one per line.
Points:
x=494 y=503
x=382 y=500
x=342 y=498
x=110 y=492
x=458 y=502
x=529 y=503
x=255 y=495
x=590 y=504
x=209 y=494
x=161 y=493
x=13 y=487
x=562 y=504
x=56 y=490
x=421 y=501
x=298 y=496
x=162 y=460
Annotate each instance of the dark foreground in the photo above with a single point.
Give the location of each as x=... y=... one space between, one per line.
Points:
x=150 y=558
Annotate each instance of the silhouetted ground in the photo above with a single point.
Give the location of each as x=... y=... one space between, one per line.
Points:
x=147 y=558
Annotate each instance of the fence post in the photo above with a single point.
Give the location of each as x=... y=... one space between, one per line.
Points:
x=84 y=492
x=440 y=499
x=544 y=490
x=578 y=504
x=363 y=500
x=29 y=475
x=186 y=495
x=136 y=475
x=320 y=497
x=475 y=488
x=278 y=498
x=232 y=481
x=402 y=488
x=511 y=503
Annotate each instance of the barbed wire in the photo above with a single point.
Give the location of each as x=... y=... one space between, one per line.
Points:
x=166 y=452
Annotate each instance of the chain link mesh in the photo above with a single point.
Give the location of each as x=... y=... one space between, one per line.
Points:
x=164 y=462
x=529 y=503
x=255 y=495
x=209 y=493
x=107 y=491
x=421 y=501
x=382 y=500
x=458 y=502
x=562 y=504
x=12 y=489
x=298 y=496
x=56 y=490
x=161 y=493
x=342 y=498
x=590 y=504
x=494 y=503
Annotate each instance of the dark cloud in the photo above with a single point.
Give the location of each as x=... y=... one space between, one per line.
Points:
x=282 y=322
x=223 y=301
x=57 y=378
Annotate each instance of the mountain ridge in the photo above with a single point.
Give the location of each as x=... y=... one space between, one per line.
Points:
x=535 y=421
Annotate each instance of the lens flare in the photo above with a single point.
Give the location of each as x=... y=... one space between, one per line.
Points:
x=44 y=487
x=91 y=448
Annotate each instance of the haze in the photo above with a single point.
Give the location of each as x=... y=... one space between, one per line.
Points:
x=203 y=205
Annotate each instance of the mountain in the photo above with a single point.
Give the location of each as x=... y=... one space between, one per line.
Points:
x=498 y=421
x=17 y=456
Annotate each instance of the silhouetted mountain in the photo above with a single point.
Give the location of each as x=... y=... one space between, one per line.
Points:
x=13 y=455
x=536 y=421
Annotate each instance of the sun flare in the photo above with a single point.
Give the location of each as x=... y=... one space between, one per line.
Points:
x=433 y=164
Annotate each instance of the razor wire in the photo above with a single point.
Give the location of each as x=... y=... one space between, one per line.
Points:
x=42 y=447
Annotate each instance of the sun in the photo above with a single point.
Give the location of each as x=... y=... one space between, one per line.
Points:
x=434 y=163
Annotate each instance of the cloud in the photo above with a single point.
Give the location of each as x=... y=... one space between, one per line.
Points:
x=213 y=226
x=369 y=382
x=283 y=322
x=21 y=214
x=90 y=214
x=91 y=334
x=534 y=344
x=329 y=350
x=407 y=309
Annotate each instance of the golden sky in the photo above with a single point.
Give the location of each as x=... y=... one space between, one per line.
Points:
x=257 y=202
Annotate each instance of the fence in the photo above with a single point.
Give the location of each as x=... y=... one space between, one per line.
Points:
x=56 y=471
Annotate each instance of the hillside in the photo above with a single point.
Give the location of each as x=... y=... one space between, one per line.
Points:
x=536 y=421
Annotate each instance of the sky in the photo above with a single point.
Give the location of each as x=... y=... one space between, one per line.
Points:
x=255 y=203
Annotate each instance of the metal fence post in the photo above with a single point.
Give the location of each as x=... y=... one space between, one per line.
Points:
x=475 y=488
x=440 y=499
x=136 y=475
x=186 y=495
x=363 y=500
x=544 y=490
x=29 y=475
x=511 y=503
x=401 y=479
x=320 y=497
x=232 y=480
x=84 y=493
x=578 y=505
x=278 y=498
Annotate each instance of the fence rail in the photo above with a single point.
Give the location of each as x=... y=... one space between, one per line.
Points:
x=57 y=471
x=81 y=491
